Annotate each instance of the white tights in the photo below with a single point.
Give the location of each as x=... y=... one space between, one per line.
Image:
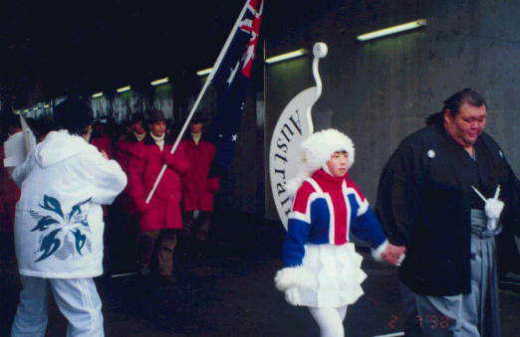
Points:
x=330 y=320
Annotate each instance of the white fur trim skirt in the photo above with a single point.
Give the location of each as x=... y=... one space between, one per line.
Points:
x=330 y=276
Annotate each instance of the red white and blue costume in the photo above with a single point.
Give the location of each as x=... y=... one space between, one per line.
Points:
x=325 y=211
x=321 y=266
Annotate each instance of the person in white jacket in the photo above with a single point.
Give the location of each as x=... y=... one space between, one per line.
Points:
x=59 y=225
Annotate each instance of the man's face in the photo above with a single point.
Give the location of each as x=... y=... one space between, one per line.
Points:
x=137 y=127
x=158 y=128
x=196 y=127
x=467 y=125
x=337 y=164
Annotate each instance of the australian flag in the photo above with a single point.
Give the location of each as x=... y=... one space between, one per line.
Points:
x=232 y=81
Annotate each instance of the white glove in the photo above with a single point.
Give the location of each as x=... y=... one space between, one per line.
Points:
x=292 y=296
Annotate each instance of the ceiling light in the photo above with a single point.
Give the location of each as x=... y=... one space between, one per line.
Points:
x=160 y=81
x=123 y=89
x=204 y=71
x=286 y=56
x=393 y=30
x=97 y=94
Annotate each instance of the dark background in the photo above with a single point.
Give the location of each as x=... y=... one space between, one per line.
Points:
x=376 y=91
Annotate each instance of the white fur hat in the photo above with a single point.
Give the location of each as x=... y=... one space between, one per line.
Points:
x=317 y=150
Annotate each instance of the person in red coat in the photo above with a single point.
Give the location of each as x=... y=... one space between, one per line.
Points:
x=124 y=150
x=199 y=188
x=126 y=145
x=102 y=137
x=124 y=218
x=160 y=218
x=9 y=195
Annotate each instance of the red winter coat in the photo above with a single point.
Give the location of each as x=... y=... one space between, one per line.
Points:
x=199 y=189
x=9 y=195
x=164 y=209
x=104 y=144
x=124 y=150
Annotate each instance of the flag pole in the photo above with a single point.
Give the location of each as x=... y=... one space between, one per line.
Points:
x=199 y=98
x=28 y=135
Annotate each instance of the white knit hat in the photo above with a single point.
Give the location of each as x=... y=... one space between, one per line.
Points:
x=317 y=150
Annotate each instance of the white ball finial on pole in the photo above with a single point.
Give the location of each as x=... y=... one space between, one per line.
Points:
x=320 y=50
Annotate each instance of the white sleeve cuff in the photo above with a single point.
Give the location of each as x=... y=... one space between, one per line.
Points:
x=377 y=253
x=363 y=208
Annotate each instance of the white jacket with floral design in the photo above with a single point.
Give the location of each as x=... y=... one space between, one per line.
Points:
x=59 y=220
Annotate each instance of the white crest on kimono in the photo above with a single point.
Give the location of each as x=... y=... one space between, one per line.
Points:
x=431 y=154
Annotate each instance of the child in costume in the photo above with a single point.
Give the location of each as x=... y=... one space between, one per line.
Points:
x=321 y=267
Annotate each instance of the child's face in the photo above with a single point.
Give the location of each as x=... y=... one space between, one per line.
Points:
x=337 y=163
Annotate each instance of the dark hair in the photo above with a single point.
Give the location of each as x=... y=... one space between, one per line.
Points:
x=197 y=120
x=41 y=127
x=453 y=103
x=469 y=96
x=137 y=117
x=74 y=116
x=155 y=115
x=12 y=121
x=8 y=121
